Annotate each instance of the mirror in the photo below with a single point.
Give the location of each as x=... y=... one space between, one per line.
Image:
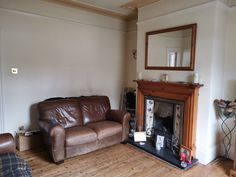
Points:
x=171 y=49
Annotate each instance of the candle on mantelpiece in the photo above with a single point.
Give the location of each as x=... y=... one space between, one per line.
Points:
x=140 y=75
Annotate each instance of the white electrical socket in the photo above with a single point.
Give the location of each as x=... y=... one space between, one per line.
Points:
x=21 y=128
x=14 y=70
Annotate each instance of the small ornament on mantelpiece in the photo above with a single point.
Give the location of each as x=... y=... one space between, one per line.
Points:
x=164 y=77
x=195 y=78
x=140 y=76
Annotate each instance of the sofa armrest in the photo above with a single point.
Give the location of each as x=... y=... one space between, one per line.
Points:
x=122 y=117
x=7 y=143
x=54 y=138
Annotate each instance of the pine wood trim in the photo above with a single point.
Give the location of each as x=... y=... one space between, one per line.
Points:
x=186 y=92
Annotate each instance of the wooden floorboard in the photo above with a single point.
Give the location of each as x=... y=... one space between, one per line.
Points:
x=122 y=160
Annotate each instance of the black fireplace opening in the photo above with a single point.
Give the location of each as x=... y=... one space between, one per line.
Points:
x=163 y=122
x=164 y=118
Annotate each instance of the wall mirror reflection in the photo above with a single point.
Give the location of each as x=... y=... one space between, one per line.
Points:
x=171 y=49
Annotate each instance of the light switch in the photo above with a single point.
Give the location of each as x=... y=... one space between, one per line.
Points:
x=14 y=70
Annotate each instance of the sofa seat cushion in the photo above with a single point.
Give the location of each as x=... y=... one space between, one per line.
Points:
x=105 y=128
x=79 y=135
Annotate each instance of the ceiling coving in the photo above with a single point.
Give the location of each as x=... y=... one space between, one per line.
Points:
x=122 y=9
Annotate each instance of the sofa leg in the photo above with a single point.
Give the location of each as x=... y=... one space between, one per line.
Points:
x=59 y=162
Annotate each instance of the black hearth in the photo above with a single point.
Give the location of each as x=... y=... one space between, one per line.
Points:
x=164 y=154
x=164 y=117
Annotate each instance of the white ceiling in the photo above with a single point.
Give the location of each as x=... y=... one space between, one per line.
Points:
x=111 y=5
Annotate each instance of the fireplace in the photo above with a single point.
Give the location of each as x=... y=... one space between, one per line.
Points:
x=169 y=110
x=164 y=117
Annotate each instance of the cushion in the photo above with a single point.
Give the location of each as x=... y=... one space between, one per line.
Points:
x=94 y=108
x=105 y=128
x=13 y=165
x=64 y=111
x=79 y=135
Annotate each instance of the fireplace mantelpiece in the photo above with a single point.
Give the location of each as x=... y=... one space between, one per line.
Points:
x=186 y=92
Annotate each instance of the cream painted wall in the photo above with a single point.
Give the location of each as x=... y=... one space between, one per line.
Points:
x=217 y=72
x=229 y=82
x=230 y=57
x=208 y=42
x=59 y=52
x=130 y=64
x=1 y=93
x=47 y=9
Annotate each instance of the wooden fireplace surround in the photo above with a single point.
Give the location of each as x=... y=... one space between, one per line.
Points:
x=186 y=92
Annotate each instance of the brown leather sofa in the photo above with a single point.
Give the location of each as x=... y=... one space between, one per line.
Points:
x=74 y=126
x=7 y=143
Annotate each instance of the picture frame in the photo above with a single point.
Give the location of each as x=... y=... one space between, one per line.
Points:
x=187 y=151
x=140 y=137
x=159 y=142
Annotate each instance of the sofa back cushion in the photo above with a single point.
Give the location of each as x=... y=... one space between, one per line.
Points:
x=64 y=111
x=94 y=108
